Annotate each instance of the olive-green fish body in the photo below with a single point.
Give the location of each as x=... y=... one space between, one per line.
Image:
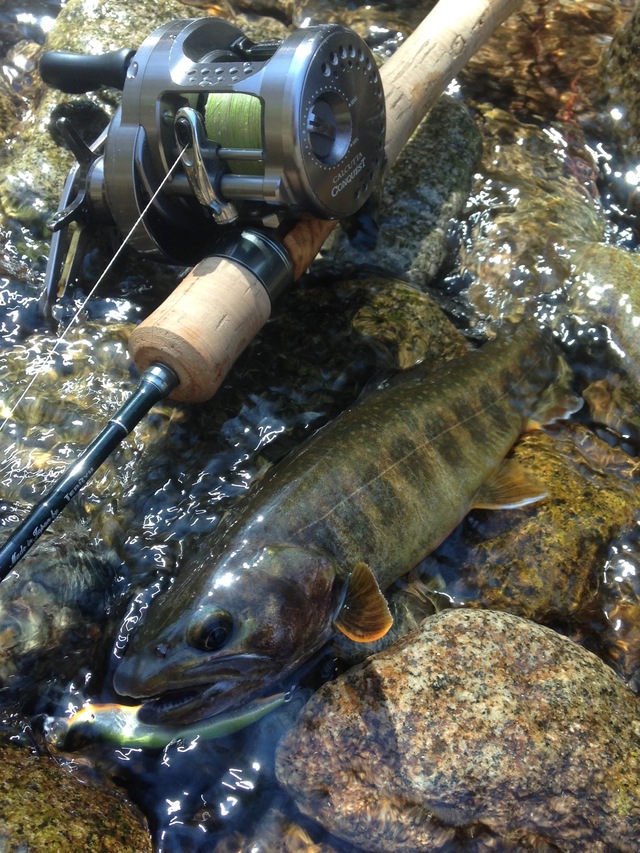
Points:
x=342 y=517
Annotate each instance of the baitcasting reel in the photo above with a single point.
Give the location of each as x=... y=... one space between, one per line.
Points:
x=264 y=132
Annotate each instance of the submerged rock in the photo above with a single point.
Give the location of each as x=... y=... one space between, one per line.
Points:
x=597 y=316
x=479 y=723
x=613 y=402
x=604 y=289
x=546 y=57
x=620 y=74
x=620 y=602
x=533 y=196
x=275 y=833
x=44 y=808
x=54 y=608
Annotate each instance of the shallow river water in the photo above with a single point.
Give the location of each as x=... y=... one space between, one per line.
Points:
x=335 y=333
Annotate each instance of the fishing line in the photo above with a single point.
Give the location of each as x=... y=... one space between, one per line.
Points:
x=62 y=338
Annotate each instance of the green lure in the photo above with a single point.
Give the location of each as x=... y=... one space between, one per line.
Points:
x=120 y=725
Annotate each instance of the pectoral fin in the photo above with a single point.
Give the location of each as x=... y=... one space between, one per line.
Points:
x=510 y=486
x=364 y=616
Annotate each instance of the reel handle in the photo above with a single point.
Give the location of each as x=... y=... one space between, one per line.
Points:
x=76 y=73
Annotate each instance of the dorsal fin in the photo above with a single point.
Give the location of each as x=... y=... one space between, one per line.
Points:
x=364 y=616
x=510 y=486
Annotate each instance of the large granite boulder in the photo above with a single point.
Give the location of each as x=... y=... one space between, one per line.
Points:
x=478 y=723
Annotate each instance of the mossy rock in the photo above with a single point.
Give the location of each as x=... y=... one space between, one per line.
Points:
x=44 y=809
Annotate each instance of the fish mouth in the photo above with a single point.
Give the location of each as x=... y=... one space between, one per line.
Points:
x=169 y=705
x=188 y=705
x=227 y=684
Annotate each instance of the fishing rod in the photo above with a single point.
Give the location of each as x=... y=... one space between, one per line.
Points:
x=239 y=158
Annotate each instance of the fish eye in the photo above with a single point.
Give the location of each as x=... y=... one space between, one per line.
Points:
x=212 y=633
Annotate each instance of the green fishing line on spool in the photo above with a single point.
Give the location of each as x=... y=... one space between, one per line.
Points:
x=234 y=120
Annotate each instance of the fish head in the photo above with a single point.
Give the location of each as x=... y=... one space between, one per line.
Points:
x=216 y=639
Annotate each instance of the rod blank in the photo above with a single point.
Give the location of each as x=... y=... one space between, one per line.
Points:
x=155 y=383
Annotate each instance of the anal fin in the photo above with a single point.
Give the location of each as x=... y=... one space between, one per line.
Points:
x=509 y=487
x=364 y=615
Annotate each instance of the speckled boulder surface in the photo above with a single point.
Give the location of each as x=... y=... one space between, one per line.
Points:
x=478 y=723
x=43 y=808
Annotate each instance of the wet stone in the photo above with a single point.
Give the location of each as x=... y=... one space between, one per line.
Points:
x=534 y=194
x=479 y=724
x=44 y=808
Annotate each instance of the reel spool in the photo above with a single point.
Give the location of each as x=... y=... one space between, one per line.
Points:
x=267 y=132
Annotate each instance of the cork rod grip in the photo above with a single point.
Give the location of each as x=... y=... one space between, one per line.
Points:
x=202 y=327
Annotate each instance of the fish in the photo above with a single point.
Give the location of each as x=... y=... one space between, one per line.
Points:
x=324 y=532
